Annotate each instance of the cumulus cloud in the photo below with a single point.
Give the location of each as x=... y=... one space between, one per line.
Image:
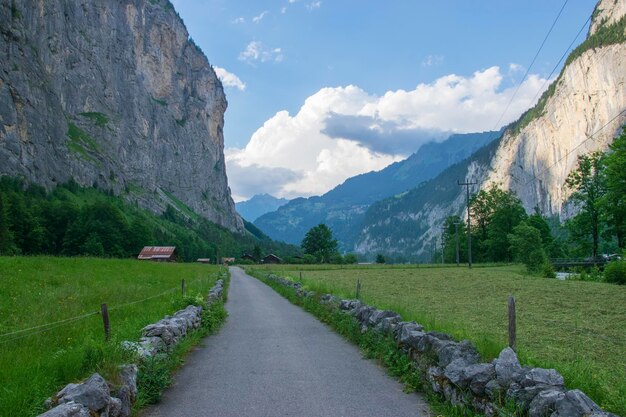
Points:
x=314 y=5
x=240 y=19
x=256 y=51
x=344 y=131
x=257 y=19
x=229 y=79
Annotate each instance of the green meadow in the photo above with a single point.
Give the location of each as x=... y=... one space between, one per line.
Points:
x=576 y=327
x=38 y=291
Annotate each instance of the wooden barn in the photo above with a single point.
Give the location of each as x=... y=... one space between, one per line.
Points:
x=248 y=257
x=272 y=259
x=158 y=253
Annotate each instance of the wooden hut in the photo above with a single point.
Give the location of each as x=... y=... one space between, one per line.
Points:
x=272 y=259
x=158 y=254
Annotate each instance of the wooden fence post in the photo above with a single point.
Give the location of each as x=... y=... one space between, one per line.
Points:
x=512 y=329
x=300 y=276
x=105 y=320
x=183 y=288
x=358 y=288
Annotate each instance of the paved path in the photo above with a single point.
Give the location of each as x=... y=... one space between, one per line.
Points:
x=273 y=359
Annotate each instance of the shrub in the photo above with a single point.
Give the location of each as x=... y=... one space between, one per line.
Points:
x=615 y=272
x=548 y=271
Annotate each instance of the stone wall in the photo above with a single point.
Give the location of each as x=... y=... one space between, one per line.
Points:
x=97 y=397
x=455 y=370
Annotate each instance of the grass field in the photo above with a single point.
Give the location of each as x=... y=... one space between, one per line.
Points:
x=36 y=291
x=577 y=327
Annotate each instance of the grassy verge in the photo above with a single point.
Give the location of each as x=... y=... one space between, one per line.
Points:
x=41 y=290
x=578 y=328
x=155 y=374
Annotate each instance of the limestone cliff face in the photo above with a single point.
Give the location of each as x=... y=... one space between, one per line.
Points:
x=607 y=12
x=113 y=93
x=582 y=112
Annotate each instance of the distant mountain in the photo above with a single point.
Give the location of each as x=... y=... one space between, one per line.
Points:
x=343 y=207
x=581 y=112
x=258 y=205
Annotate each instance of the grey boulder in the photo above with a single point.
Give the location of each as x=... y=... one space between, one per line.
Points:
x=93 y=393
x=69 y=409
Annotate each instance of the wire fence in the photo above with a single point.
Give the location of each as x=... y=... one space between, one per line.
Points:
x=42 y=328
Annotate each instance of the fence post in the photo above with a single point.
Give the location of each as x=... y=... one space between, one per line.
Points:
x=358 y=288
x=512 y=329
x=183 y=288
x=105 y=320
x=300 y=276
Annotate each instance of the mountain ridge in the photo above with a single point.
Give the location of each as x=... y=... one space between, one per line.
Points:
x=258 y=205
x=343 y=207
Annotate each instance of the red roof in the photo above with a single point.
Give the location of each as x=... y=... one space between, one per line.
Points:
x=157 y=252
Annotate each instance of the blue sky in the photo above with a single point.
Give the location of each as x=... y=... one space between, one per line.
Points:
x=405 y=71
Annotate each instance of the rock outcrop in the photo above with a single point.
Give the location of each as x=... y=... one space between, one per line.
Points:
x=114 y=94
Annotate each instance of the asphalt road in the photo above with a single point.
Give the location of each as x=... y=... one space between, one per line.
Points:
x=273 y=359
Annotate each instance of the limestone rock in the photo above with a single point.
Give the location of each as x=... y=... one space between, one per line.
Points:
x=69 y=409
x=128 y=377
x=507 y=366
x=115 y=94
x=93 y=394
x=544 y=403
x=575 y=403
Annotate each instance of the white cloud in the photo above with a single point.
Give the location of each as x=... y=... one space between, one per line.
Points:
x=432 y=60
x=344 y=131
x=257 y=19
x=240 y=19
x=229 y=79
x=283 y=10
x=314 y=5
x=256 y=51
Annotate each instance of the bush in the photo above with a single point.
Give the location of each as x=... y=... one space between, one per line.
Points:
x=615 y=272
x=547 y=271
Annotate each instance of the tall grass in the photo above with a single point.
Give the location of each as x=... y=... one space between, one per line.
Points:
x=39 y=290
x=578 y=328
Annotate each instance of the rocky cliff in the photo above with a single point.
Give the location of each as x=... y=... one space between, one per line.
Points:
x=112 y=93
x=582 y=111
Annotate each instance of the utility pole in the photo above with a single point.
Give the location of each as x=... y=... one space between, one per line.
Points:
x=443 y=231
x=456 y=228
x=469 y=235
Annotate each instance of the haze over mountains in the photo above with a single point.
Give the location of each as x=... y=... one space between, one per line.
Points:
x=343 y=207
x=258 y=205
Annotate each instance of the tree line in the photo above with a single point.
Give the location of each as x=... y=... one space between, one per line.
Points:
x=72 y=220
x=502 y=231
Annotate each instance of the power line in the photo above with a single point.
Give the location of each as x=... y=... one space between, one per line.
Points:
x=561 y=59
x=530 y=66
x=573 y=149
